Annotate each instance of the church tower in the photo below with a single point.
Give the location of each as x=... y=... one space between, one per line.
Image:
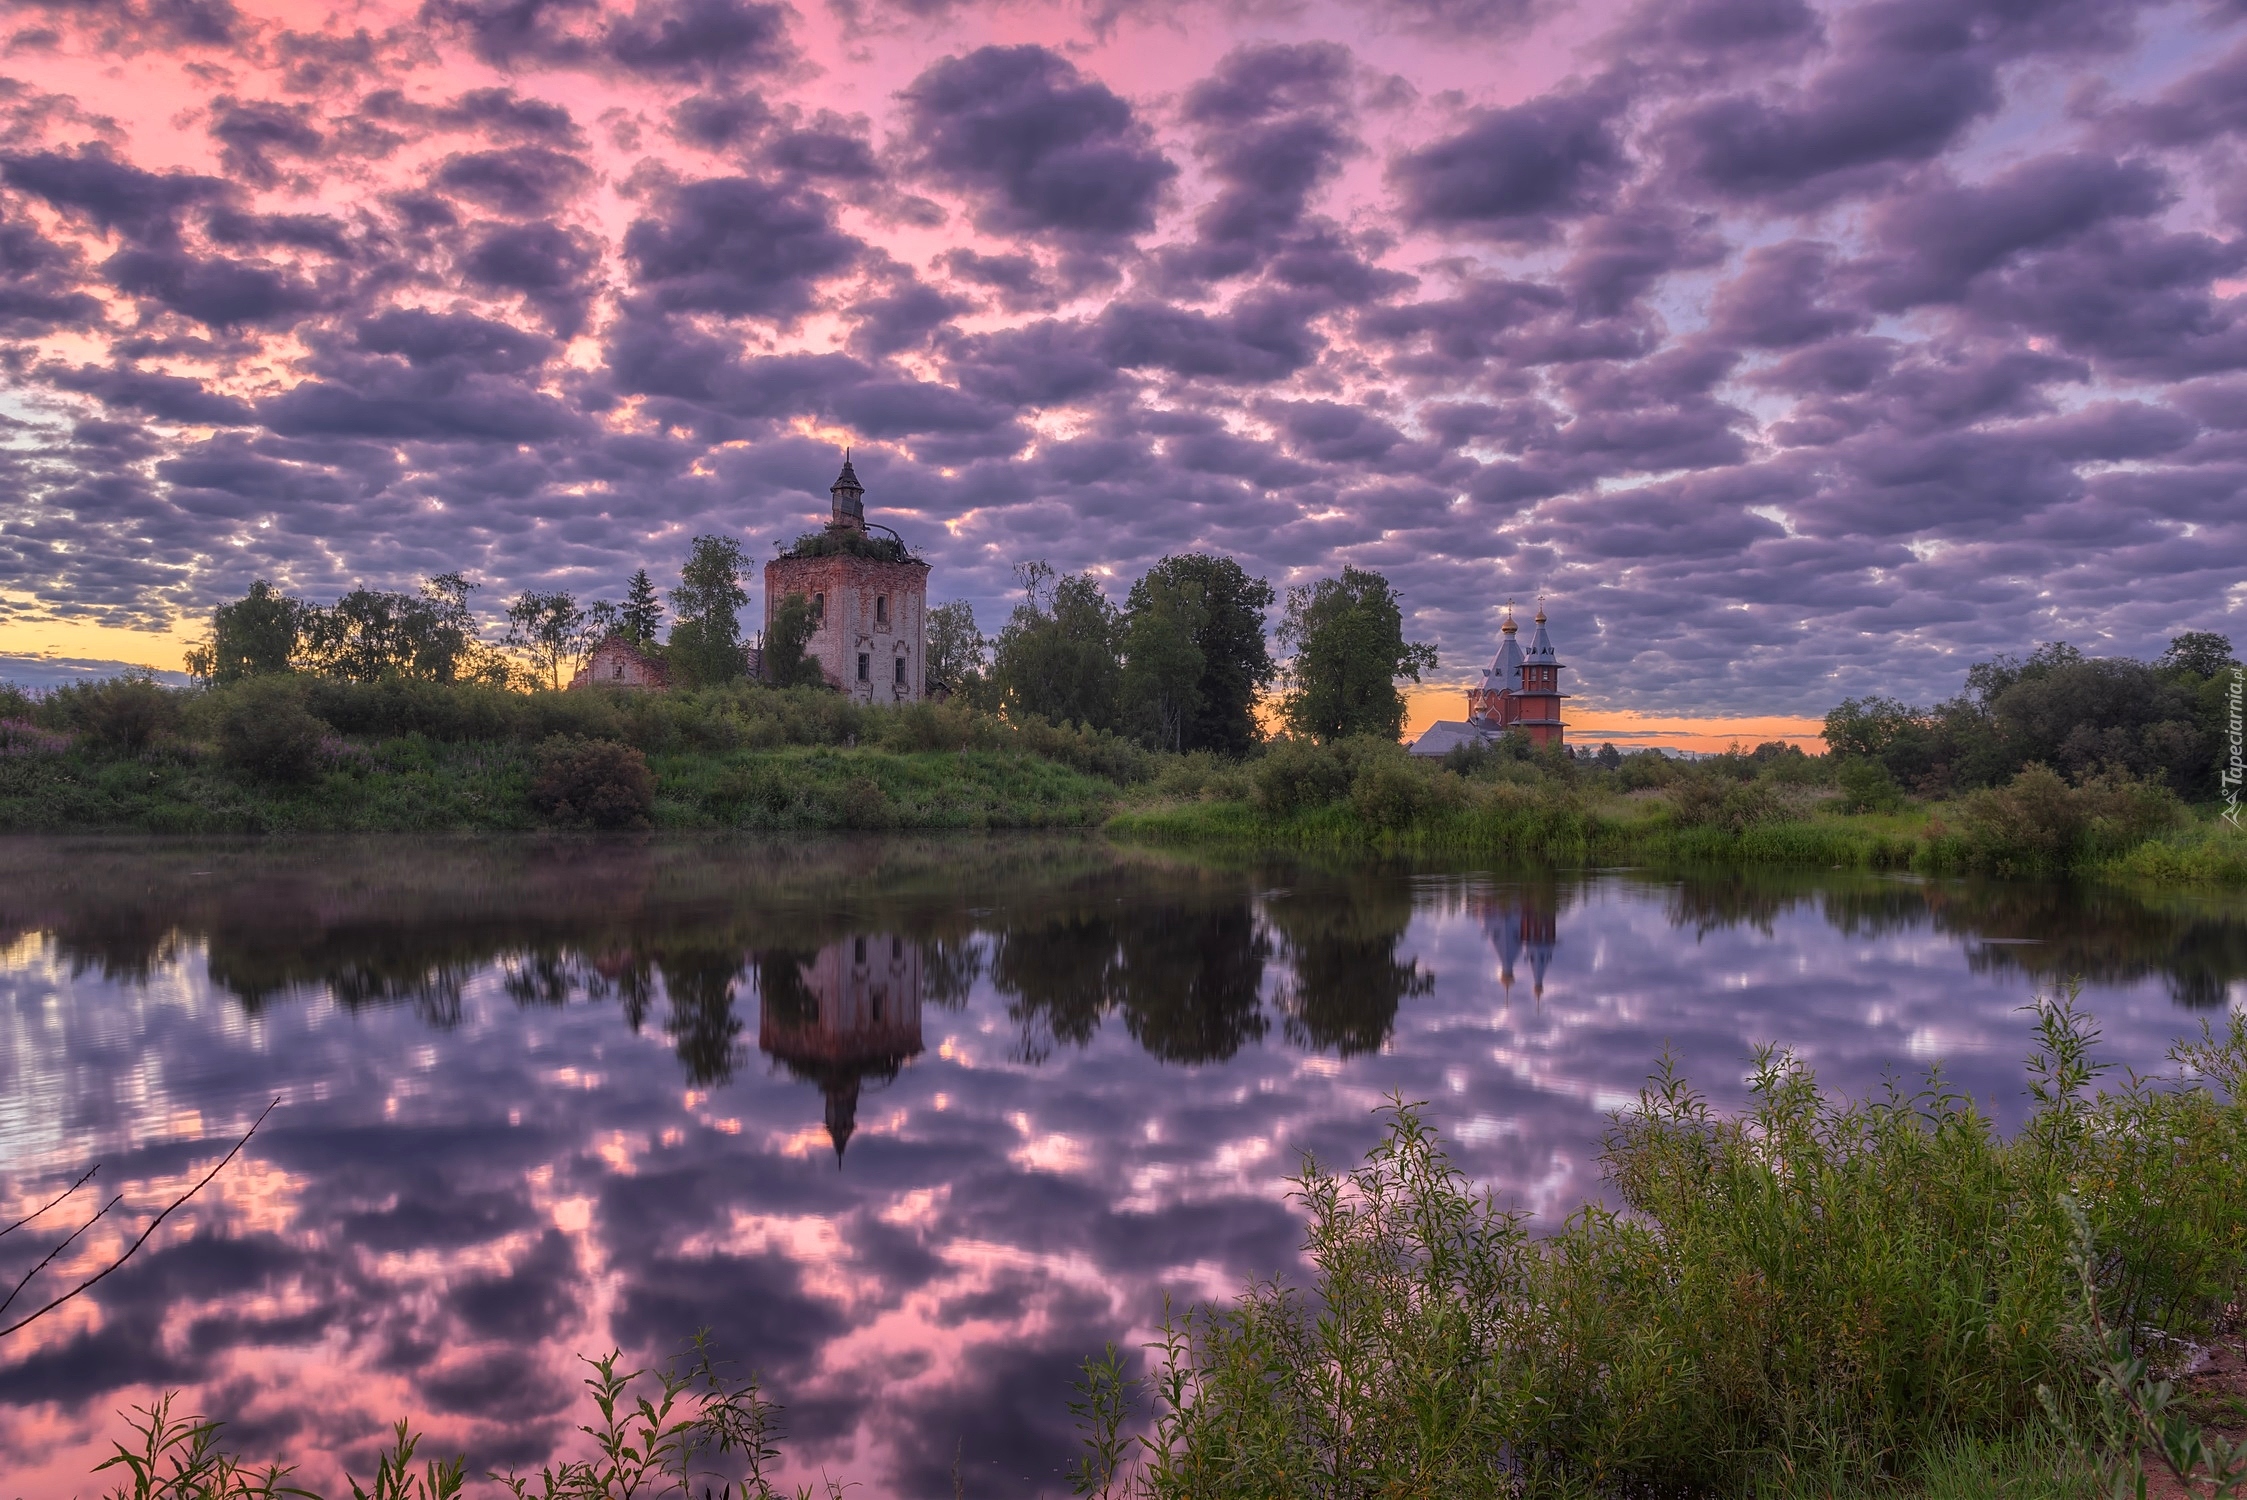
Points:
x=868 y=596
x=847 y=510
x=1537 y=701
x=1520 y=690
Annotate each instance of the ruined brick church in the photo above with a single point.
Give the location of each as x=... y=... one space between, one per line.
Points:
x=1520 y=690
x=868 y=597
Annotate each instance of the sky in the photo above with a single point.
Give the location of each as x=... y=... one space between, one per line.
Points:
x=1786 y=351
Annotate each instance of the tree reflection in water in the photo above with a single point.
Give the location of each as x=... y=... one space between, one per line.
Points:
x=1183 y=956
x=1094 y=1067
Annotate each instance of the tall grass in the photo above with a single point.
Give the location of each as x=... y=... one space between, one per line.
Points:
x=304 y=754
x=1728 y=811
x=655 y=1434
x=1817 y=1289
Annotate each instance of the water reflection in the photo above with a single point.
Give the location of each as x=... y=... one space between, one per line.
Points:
x=840 y=1017
x=913 y=1125
x=1523 y=923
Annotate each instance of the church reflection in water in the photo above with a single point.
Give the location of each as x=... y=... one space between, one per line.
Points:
x=841 y=1017
x=1524 y=924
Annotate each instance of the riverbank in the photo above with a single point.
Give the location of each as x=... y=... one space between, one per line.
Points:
x=311 y=755
x=1933 y=839
x=414 y=784
x=429 y=787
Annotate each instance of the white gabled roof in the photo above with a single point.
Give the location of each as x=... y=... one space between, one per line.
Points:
x=1446 y=735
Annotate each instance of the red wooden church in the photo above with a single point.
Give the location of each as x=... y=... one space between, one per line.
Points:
x=1520 y=690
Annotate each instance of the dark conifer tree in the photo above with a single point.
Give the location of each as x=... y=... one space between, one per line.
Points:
x=642 y=615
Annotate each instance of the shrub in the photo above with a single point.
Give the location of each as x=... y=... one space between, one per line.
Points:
x=593 y=784
x=1390 y=792
x=2038 y=823
x=20 y=737
x=753 y=793
x=264 y=729
x=863 y=804
x=1297 y=774
x=1714 y=802
x=1815 y=1288
x=932 y=726
x=1644 y=770
x=125 y=714
x=1867 y=786
x=1199 y=774
x=1468 y=757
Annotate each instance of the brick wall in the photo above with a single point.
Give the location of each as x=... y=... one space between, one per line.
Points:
x=870 y=609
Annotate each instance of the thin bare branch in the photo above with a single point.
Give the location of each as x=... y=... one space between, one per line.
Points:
x=66 y=1192
x=134 y=1248
x=65 y=1245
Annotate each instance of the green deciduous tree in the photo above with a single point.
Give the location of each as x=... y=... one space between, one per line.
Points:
x=1203 y=615
x=785 y=664
x=955 y=645
x=2084 y=716
x=1348 y=637
x=1056 y=657
x=371 y=634
x=2203 y=653
x=1162 y=659
x=252 y=636
x=706 y=641
x=547 y=628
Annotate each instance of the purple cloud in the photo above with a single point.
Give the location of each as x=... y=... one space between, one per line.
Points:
x=1778 y=331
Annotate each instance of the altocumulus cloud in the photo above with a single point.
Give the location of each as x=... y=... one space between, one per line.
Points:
x=1790 y=349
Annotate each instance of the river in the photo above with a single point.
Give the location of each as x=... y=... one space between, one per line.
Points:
x=910 y=1125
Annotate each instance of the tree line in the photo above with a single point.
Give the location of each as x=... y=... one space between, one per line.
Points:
x=1184 y=662
x=2082 y=716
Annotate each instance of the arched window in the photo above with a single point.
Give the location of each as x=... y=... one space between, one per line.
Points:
x=881 y=609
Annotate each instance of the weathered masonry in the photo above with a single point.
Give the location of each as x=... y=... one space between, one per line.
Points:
x=868 y=596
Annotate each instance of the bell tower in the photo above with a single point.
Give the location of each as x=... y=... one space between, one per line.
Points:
x=848 y=512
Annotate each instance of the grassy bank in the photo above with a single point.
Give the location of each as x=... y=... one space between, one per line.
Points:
x=314 y=756
x=1776 y=809
x=1815 y=1296
x=421 y=786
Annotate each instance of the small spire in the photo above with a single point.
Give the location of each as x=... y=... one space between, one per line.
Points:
x=1509 y=627
x=849 y=509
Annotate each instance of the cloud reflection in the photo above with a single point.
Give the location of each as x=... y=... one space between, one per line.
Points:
x=528 y=1109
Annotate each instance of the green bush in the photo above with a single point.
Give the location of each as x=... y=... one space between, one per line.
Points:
x=2037 y=823
x=593 y=784
x=1817 y=1292
x=1201 y=775
x=1867 y=786
x=1721 y=802
x=263 y=728
x=1647 y=770
x=124 y=715
x=1295 y=775
x=1389 y=792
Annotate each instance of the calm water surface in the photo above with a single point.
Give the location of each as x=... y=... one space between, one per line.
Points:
x=911 y=1126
